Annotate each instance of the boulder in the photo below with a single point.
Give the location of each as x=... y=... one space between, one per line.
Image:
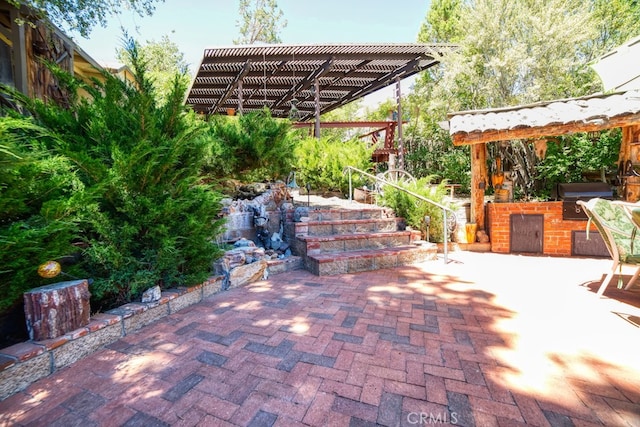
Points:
x=248 y=273
x=152 y=294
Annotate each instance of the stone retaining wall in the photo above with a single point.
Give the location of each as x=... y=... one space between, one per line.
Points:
x=24 y=363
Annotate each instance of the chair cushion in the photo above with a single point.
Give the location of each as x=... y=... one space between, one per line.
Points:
x=635 y=216
x=624 y=232
x=631 y=259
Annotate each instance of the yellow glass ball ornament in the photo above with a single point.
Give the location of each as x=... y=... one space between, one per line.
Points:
x=49 y=269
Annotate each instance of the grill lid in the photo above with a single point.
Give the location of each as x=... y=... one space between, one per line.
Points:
x=584 y=190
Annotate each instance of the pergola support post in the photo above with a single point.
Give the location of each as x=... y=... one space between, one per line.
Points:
x=240 y=101
x=316 y=101
x=400 y=141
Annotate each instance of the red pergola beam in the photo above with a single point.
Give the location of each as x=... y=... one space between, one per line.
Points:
x=384 y=124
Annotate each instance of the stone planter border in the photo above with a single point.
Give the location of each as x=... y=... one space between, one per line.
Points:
x=24 y=363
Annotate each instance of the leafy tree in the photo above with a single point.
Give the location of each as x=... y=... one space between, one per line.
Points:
x=616 y=22
x=260 y=21
x=81 y=15
x=442 y=23
x=163 y=61
x=350 y=112
x=514 y=52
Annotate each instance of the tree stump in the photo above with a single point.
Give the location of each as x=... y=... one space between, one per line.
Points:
x=53 y=310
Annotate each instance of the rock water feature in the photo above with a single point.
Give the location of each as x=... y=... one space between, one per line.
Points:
x=255 y=227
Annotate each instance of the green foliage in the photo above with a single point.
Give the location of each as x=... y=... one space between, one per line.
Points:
x=414 y=210
x=512 y=52
x=568 y=158
x=442 y=22
x=346 y=113
x=321 y=163
x=162 y=61
x=36 y=207
x=146 y=218
x=616 y=21
x=260 y=21
x=432 y=154
x=250 y=147
x=82 y=15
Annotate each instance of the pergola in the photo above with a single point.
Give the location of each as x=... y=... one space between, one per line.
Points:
x=302 y=82
x=310 y=79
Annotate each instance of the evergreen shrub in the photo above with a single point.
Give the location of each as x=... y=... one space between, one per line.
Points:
x=414 y=210
x=322 y=163
x=145 y=218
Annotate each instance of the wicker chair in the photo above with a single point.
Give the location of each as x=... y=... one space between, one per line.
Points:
x=621 y=235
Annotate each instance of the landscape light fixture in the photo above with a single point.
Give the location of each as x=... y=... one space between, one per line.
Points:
x=427 y=224
x=294 y=113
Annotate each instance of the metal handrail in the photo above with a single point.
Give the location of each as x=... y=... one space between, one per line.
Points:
x=411 y=193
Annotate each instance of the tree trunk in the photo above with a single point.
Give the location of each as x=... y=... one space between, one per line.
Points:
x=53 y=310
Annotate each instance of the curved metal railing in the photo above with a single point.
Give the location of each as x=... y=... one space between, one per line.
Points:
x=411 y=193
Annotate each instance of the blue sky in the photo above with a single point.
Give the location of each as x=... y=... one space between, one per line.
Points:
x=198 y=24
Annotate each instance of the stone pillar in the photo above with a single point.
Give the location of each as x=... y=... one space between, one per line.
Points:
x=53 y=310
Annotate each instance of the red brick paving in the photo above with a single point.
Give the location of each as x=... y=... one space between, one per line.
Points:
x=485 y=340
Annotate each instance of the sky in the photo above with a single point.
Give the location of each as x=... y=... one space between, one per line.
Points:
x=195 y=25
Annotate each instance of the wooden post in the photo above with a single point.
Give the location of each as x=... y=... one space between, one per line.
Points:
x=478 y=183
x=19 y=50
x=53 y=310
x=630 y=152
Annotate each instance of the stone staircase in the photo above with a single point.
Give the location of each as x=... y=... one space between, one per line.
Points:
x=349 y=240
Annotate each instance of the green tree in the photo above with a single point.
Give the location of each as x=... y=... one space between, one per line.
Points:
x=163 y=61
x=260 y=21
x=82 y=15
x=351 y=112
x=514 y=52
x=616 y=22
x=442 y=23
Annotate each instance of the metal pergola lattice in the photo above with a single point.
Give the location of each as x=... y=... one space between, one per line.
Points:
x=316 y=78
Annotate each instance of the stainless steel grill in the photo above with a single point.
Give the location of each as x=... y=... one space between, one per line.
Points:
x=570 y=193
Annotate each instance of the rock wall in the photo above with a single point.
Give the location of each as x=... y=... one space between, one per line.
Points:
x=240 y=213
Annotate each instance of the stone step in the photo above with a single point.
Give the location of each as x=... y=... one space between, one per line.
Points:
x=368 y=260
x=283 y=265
x=347 y=214
x=356 y=242
x=345 y=226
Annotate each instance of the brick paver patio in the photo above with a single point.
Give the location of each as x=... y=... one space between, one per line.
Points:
x=485 y=340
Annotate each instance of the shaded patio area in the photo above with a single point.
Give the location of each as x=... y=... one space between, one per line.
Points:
x=487 y=339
